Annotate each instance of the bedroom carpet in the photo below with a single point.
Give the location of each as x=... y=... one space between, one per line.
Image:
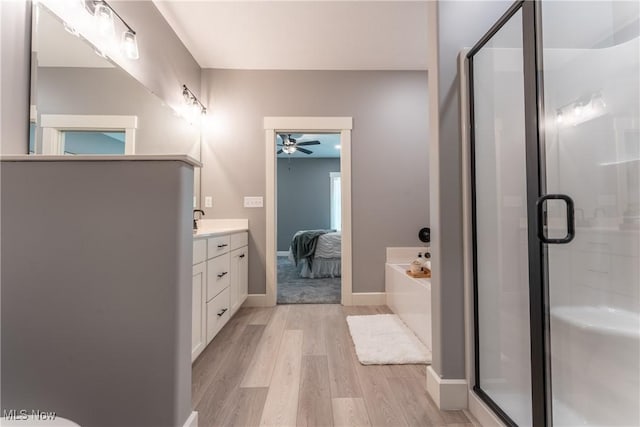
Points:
x=293 y=289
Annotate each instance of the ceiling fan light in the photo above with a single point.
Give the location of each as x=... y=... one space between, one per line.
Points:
x=289 y=149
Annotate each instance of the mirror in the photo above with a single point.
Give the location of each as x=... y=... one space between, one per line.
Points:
x=82 y=103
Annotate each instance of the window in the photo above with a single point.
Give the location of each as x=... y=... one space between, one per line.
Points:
x=336 y=202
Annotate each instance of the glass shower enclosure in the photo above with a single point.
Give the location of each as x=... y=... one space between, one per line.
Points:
x=555 y=156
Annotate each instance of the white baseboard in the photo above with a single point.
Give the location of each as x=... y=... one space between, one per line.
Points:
x=257 y=300
x=369 y=298
x=481 y=412
x=447 y=394
x=282 y=253
x=192 y=421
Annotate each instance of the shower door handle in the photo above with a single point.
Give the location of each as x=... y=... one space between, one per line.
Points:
x=571 y=229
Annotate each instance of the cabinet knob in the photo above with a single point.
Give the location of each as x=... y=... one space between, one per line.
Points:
x=241 y=256
x=221 y=275
x=222 y=312
x=222 y=245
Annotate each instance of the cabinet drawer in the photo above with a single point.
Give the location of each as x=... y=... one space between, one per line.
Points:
x=199 y=251
x=217 y=275
x=239 y=240
x=217 y=314
x=217 y=246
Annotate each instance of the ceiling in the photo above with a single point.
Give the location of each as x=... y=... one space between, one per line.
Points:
x=302 y=35
x=326 y=148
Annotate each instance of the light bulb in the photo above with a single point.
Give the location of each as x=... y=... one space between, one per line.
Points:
x=289 y=149
x=104 y=20
x=130 y=45
x=559 y=118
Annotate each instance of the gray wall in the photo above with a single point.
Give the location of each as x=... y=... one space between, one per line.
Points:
x=15 y=58
x=96 y=309
x=389 y=153
x=74 y=91
x=460 y=24
x=164 y=64
x=304 y=192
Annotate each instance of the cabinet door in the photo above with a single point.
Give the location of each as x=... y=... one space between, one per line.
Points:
x=238 y=282
x=243 y=275
x=234 y=280
x=198 y=320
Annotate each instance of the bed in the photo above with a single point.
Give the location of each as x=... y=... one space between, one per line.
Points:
x=325 y=260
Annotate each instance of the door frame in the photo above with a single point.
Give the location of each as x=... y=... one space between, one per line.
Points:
x=273 y=125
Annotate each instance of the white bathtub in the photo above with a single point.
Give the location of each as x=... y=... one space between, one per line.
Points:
x=595 y=360
x=409 y=298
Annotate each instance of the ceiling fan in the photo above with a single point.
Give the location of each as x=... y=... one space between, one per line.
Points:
x=290 y=145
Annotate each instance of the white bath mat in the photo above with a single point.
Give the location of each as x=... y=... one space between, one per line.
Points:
x=384 y=339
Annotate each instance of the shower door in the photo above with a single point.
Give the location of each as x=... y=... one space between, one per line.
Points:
x=555 y=153
x=503 y=374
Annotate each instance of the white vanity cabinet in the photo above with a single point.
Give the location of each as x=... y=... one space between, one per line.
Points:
x=220 y=284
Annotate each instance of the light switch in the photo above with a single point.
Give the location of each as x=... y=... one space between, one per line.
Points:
x=253 y=202
x=208 y=202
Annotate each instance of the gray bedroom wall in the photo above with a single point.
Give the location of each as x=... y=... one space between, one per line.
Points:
x=389 y=153
x=460 y=24
x=15 y=56
x=164 y=65
x=63 y=90
x=304 y=192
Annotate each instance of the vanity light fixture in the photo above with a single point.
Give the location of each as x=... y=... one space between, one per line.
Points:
x=130 y=45
x=192 y=101
x=104 y=19
x=103 y=14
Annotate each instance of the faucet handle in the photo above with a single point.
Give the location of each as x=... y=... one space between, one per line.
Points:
x=195 y=220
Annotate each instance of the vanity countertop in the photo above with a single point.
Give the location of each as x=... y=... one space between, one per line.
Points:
x=216 y=227
x=102 y=158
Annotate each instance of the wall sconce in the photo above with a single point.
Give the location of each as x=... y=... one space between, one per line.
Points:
x=582 y=110
x=192 y=102
x=103 y=15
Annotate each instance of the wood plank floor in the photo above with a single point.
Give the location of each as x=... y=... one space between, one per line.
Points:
x=295 y=365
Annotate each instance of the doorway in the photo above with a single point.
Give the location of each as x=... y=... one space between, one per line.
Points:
x=309 y=218
x=277 y=131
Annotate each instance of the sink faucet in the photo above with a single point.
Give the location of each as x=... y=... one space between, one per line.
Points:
x=195 y=220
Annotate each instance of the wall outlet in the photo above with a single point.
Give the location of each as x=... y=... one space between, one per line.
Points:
x=208 y=202
x=253 y=202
